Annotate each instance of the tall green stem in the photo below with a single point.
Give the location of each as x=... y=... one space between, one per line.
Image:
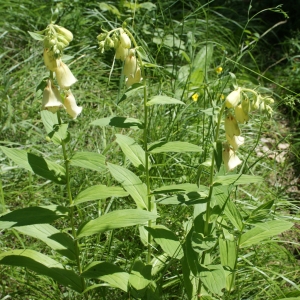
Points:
x=145 y=140
x=71 y=214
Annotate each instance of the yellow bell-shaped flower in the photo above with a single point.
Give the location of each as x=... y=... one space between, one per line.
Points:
x=240 y=114
x=230 y=159
x=130 y=64
x=64 y=76
x=231 y=126
x=70 y=104
x=233 y=99
x=51 y=98
x=235 y=141
x=136 y=79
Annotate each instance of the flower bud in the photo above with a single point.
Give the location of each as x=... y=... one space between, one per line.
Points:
x=50 y=61
x=246 y=105
x=64 y=76
x=233 y=99
x=124 y=39
x=136 y=79
x=230 y=159
x=62 y=40
x=231 y=126
x=64 y=32
x=130 y=64
x=240 y=114
x=70 y=104
x=256 y=103
x=51 y=98
x=121 y=53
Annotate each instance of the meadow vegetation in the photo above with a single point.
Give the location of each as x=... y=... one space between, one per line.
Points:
x=148 y=150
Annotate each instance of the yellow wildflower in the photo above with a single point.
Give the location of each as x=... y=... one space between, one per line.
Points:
x=195 y=97
x=219 y=70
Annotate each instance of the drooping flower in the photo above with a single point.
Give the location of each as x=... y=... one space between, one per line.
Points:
x=235 y=141
x=233 y=99
x=240 y=114
x=70 y=104
x=50 y=61
x=124 y=39
x=231 y=126
x=51 y=98
x=121 y=52
x=64 y=76
x=136 y=79
x=230 y=158
x=130 y=64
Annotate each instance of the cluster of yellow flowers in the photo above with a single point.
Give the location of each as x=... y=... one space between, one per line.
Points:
x=124 y=52
x=56 y=38
x=242 y=106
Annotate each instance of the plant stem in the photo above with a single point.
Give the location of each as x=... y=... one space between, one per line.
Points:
x=71 y=215
x=145 y=140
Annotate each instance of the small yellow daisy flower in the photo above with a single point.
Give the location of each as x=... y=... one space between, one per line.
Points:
x=195 y=97
x=219 y=70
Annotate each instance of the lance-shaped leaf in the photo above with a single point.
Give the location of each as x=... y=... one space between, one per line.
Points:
x=110 y=273
x=264 y=231
x=36 y=164
x=131 y=91
x=48 y=234
x=116 y=219
x=160 y=99
x=32 y=215
x=43 y=265
x=132 y=150
x=221 y=195
x=131 y=183
x=89 y=160
x=167 y=239
x=120 y=122
x=97 y=192
x=177 y=146
x=237 y=179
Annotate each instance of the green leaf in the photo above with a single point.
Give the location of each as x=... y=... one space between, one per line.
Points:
x=49 y=119
x=55 y=239
x=182 y=187
x=110 y=273
x=119 y=122
x=202 y=243
x=264 y=231
x=213 y=277
x=89 y=160
x=148 y=5
x=131 y=91
x=131 y=183
x=36 y=36
x=43 y=265
x=32 y=215
x=237 y=179
x=176 y=146
x=36 y=164
x=59 y=134
x=190 y=198
x=132 y=150
x=116 y=219
x=168 y=240
x=160 y=99
x=140 y=276
x=228 y=255
x=221 y=195
x=97 y=192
